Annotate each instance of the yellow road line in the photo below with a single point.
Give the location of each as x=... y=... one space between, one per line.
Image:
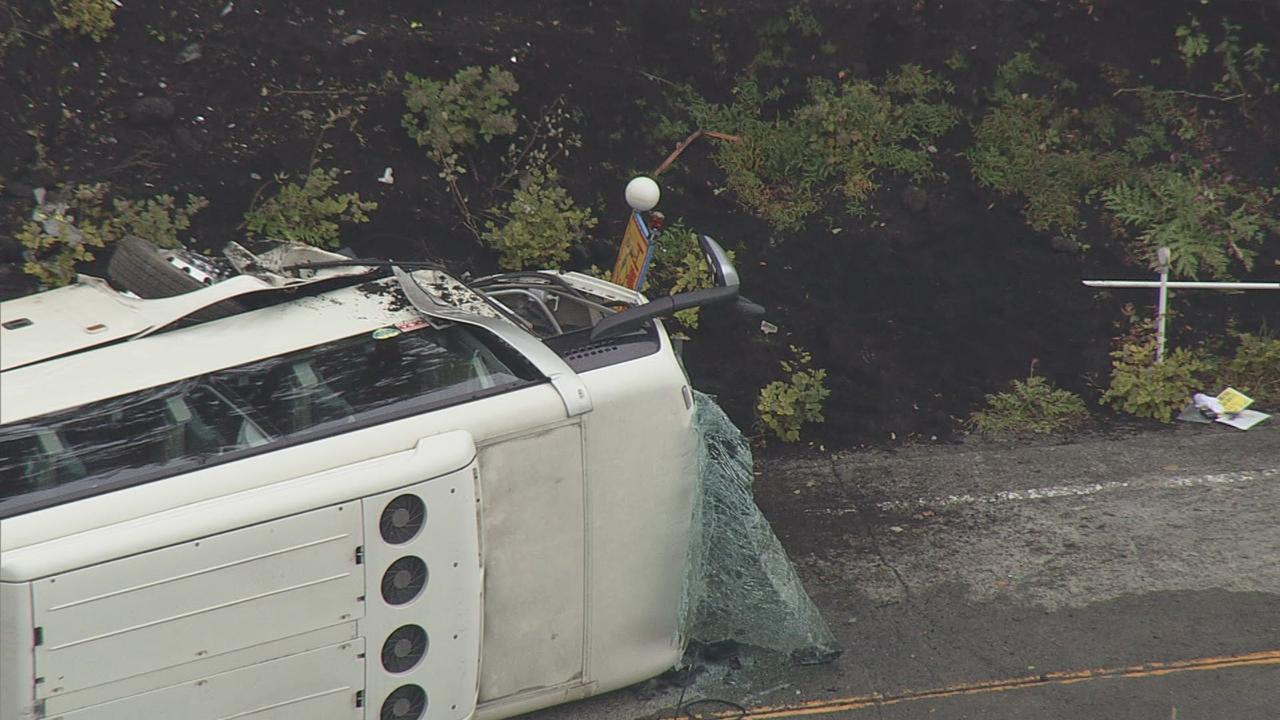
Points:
x=1151 y=669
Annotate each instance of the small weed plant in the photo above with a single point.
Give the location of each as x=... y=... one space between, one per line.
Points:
x=1193 y=43
x=538 y=225
x=93 y=18
x=1032 y=406
x=308 y=212
x=69 y=232
x=785 y=406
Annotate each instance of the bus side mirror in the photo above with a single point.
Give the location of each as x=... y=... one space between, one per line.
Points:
x=726 y=290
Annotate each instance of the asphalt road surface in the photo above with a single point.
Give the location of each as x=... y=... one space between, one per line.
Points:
x=1131 y=577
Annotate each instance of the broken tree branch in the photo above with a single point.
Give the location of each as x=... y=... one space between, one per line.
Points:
x=687 y=142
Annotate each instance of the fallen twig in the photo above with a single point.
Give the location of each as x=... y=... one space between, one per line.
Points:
x=1185 y=93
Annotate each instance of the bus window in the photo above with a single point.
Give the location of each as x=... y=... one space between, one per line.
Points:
x=34 y=461
x=313 y=392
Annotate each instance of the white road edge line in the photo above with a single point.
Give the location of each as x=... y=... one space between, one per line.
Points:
x=1154 y=482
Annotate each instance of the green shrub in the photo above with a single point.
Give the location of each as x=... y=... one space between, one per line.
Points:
x=539 y=224
x=86 y=224
x=1142 y=387
x=1255 y=369
x=838 y=141
x=1031 y=406
x=308 y=213
x=447 y=116
x=94 y=18
x=784 y=406
x=1205 y=222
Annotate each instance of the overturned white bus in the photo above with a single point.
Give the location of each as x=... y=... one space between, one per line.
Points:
x=295 y=485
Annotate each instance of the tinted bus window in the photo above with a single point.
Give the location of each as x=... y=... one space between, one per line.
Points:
x=234 y=412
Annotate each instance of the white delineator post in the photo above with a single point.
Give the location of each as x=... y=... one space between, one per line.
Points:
x=1162 y=264
x=1164 y=286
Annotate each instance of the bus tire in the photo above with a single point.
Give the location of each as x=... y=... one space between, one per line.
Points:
x=140 y=267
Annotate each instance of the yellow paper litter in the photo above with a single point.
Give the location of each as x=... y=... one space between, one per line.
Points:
x=1234 y=401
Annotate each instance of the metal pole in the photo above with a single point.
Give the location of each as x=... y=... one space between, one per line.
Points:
x=1162 y=263
x=1182 y=285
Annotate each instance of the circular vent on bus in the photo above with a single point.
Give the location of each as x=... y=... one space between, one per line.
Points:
x=407 y=702
x=404 y=648
x=402 y=518
x=404 y=580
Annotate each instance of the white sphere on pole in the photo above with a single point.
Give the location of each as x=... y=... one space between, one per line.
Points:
x=642 y=194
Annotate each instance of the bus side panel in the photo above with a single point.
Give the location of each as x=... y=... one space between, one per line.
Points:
x=316 y=685
x=198 y=599
x=534 y=554
x=17 y=664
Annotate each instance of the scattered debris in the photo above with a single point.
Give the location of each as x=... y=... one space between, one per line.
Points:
x=354 y=37
x=190 y=53
x=1229 y=407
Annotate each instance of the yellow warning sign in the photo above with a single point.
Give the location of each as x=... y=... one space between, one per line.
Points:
x=633 y=256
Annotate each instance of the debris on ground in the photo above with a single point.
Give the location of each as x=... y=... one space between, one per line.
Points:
x=1229 y=407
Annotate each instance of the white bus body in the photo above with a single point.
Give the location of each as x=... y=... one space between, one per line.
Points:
x=510 y=535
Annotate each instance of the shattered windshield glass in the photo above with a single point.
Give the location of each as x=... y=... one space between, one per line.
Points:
x=739 y=584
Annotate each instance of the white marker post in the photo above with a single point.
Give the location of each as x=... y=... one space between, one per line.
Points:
x=1162 y=264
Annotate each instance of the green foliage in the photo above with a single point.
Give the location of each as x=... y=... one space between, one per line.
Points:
x=680 y=265
x=803 y=20
x=1192 y=42
x=1027 y=145
x=1142 y=387
x=539 y=224
x=838 y=141
x=157 y=219
x=85 y=223
x=94 y=18
x=448 y=116
x=1011 y=73
x=784 y=406
x=1206 y=222
x=1031 y=406
x=1255 y=369
x=307 y=212
x=51 y=257
x=1159 y=175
